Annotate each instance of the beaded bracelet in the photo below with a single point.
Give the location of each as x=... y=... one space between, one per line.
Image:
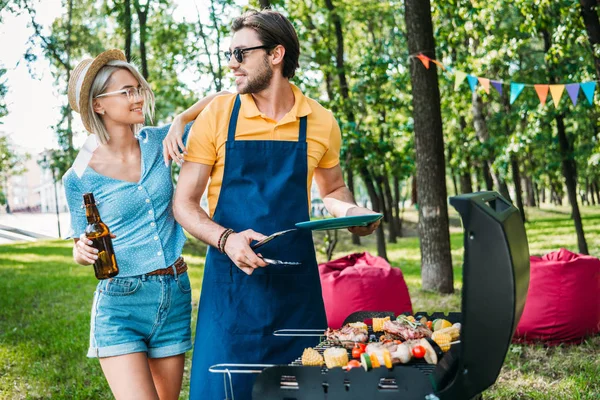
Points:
x=224 y=241
x=222 y=238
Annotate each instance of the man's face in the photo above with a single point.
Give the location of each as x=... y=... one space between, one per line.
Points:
x=254 y=73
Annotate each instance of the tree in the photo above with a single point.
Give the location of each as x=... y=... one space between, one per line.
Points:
x=436 y=270
x=11 y=164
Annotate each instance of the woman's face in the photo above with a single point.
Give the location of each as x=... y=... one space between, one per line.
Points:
x=121 y=108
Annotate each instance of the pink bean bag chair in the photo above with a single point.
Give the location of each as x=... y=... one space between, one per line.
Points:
x=362 y=282
x=563 y=302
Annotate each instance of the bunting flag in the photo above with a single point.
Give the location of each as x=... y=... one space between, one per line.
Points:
x=557 y=91
x=439 y=64
x=515 y=91
x=542 y=92
x=424 y=59
x=573 y=91
x=498 y=86
x=485 y=84
x=588 y=89
x=460 y=77
x=472 y=82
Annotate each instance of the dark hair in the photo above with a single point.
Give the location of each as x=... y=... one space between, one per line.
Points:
x=273 y=29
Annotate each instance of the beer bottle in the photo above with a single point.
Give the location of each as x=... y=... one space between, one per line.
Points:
x=97 y=231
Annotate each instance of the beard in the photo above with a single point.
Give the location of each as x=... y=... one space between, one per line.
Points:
x=260 y=81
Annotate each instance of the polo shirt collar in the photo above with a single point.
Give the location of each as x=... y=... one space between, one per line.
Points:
x=301 y=107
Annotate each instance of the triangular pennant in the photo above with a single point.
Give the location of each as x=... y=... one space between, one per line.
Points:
x=472 y=82
x=497 y=85
x=439 y=64
x=588 y=89
x=485 y=84
x=424 y=59
x=542 y=92
x=573 y=90
x=557 y=91
x=460 y=77
x=515 y=91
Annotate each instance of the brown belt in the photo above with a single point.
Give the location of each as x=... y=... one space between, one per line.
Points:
x=179 y=264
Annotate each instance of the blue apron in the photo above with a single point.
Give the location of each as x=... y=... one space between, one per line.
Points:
x=264 y=189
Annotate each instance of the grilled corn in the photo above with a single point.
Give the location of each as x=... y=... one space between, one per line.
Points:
x=442 y=339
x=378 y=324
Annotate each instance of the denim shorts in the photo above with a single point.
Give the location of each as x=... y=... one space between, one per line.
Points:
x=150 y=314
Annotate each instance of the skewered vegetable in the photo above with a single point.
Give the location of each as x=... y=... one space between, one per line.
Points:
x=453 y=331
x=311 y=357
x=374 y=361
x=418 y=351
x=335 y=357
x=365 y=361
x=442 y=339
x=439 y=324
x=378 y=324
x=352 y=364
x=387 y=358
x=432 y=350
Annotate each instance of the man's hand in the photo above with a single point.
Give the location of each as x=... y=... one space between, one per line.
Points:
x=238 y=250
x=362 y=230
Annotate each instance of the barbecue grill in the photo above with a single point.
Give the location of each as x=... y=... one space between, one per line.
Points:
x=495 y=284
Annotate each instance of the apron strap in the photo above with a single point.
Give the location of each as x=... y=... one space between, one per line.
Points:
x=233 y=119
x=302 y=134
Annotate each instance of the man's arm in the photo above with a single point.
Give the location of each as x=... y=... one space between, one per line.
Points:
x=339 y=200
x=191 y=184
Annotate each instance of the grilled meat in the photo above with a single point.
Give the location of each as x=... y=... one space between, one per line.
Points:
x=347 y=335
x=406 y=330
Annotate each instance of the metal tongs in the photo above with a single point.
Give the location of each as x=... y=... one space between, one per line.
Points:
x=271 y=237
x=267 y=240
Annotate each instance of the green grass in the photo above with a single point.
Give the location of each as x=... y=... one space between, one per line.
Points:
x=45 y=302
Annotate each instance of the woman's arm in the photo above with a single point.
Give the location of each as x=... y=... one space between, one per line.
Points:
x=173 y=147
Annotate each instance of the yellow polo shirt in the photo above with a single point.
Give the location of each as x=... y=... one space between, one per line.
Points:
x=206 y=141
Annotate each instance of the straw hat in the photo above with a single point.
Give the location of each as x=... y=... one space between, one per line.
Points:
x=81 y=81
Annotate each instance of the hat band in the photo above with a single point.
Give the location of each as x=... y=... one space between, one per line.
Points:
x=80 y=79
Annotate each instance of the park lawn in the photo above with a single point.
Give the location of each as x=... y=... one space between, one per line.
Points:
x=45 y=302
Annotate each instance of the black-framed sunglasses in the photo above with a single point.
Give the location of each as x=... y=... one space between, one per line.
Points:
x=239 y=53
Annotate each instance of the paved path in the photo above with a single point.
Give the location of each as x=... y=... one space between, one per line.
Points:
x=19 y=227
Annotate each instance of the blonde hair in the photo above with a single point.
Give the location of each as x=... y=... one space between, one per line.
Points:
x=101 y=81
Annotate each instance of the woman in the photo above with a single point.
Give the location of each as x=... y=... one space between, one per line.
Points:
x=140 y=326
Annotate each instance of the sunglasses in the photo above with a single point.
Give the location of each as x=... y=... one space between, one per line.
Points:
x=239 y=53
x=132 y=93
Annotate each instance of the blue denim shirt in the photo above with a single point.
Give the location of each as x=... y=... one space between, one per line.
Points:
x=140 y=213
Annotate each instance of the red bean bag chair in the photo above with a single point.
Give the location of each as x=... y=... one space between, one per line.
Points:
x=362 y=282
x=563 y=302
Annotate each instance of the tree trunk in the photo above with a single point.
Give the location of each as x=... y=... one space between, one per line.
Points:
x=536 y=191
x=597 y=190
x=487 y=177
x=379 y=233
x=542 y=195
x=514 y=163
x=570 y=174
x=589 y=13
x=413 y=191
x=217 y=31
x=466 y=184
x=436 y=261
x=387 y=189
x=142 y=14
x=529 y=191
x=127 y=28
x=397 y=217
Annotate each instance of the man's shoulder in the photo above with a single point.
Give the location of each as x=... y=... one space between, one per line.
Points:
x=221 y=103
x=318 y=110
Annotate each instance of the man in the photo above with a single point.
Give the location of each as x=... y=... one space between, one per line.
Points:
x=260 y=150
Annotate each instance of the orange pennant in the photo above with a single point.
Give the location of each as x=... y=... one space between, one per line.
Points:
x=557 y=91
x=424 y=59
x=439 y=64
x=542 y=92
x=485 y=84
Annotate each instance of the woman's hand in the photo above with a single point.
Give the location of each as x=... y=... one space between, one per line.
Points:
x=83 y=252
x=173 y=147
